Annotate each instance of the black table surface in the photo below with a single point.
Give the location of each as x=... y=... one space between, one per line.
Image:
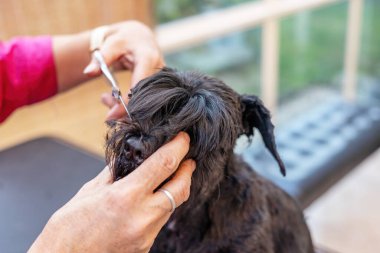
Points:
x=36 y=179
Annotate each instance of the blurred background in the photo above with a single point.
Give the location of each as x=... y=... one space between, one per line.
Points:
x=315 y=63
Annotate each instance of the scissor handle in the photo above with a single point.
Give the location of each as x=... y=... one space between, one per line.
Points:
x=105 y=70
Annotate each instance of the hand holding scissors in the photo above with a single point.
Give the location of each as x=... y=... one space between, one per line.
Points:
x=139 y=53
x=116 y=93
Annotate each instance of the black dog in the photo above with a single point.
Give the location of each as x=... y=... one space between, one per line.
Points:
x=231 y=208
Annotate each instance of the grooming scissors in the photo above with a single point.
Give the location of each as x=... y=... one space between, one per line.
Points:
x=116 y=93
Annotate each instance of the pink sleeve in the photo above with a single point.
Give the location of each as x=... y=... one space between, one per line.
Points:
x=27 y=73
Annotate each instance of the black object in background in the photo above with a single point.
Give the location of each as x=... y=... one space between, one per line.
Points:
x=320 y=148
x=36 y=179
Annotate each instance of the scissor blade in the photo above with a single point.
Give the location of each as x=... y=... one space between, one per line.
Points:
x=125 y=106
x=105 y=70
x=116 y=93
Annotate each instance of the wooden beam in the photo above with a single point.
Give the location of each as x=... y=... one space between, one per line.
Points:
x=34 y=17
x=194 y=30
x=352 y=49
x=269 y=62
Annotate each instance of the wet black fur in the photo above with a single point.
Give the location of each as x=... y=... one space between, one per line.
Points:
x=231 y=208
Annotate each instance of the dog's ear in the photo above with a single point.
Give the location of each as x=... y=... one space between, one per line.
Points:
x=255 y=115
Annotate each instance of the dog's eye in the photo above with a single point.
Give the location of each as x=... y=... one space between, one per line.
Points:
x=129 y=95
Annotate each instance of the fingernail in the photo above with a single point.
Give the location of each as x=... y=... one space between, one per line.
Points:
x=92 y=67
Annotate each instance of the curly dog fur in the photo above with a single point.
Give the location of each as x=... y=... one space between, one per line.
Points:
x=231 y=208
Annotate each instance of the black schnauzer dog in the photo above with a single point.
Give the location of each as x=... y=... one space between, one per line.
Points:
x=231 y=208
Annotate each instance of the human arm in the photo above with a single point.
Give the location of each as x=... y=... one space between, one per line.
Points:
x=121 y=216
x=127 y=45
x=35 y=68
x=130 y=45
x=27 y=73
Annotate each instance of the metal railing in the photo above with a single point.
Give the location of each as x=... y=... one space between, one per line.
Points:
x=194 y=30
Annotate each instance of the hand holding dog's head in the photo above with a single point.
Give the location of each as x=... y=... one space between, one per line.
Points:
x=208 y=110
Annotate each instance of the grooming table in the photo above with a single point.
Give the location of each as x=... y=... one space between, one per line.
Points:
x=36 y=179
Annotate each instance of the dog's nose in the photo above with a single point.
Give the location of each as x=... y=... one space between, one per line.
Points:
x=135 y=149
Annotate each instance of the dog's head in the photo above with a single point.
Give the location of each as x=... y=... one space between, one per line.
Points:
x=212 y=114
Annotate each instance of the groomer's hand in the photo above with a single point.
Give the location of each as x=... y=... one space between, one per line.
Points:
x=128 y=45
x=121 y=216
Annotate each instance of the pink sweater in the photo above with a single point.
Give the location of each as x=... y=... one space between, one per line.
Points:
x=27 y=73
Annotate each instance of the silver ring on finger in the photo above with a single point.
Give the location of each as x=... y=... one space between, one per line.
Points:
x=170 y=197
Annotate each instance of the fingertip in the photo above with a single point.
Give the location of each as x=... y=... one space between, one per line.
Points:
x=91 y=69
x=116 y=112
x=111 y=113
x=188 y=166
x=178 y=147
x=184 y=136
x=108 y=100
x=189 y=163
x=193 y=164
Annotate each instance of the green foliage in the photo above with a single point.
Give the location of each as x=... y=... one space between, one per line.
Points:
x=312 y=46
x=370 y=49
x=169 y=10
